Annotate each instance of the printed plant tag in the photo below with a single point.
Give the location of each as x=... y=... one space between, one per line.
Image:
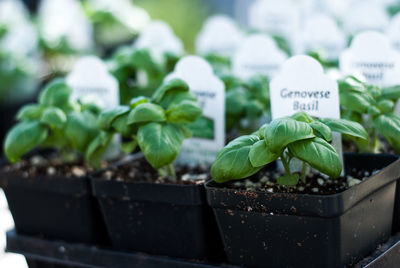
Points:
x=209 y=131
x=276 y=17
x=90 y=80
x=258 y=54
x=159 y=38
x=219 y=35
x=303 y=86
x=64 y=19
x=364 y=16
x=372 y=56
x=322 y=34
x=393 y=32
x=12 y=12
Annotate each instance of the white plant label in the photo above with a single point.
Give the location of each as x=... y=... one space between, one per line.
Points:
x=258 y=54
x=12 y=12
x=91 y=81
x=276 y=17
x=219 y=35
x=393 y=32
x=364 y=16
x=65 y=19
x=209 y=131
x=321 y=33
x=303 y=86
x=159 y=38
x=372 y=56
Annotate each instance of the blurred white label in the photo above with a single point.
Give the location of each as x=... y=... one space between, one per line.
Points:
x=60 y=19
x=219 y=35
x=90 y=81
x=366 y=15
x=159 y=38
x=258 y=54
x=393 y=32
x=322 y=34
x=12 y=12
x=276 y=17
x=209 y=131
x=372 y=56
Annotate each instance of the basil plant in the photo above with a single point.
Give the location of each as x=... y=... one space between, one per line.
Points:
x=158 y=125
x=296 y=137
x=246 y=102
x=138 y=72
x=373 y=107
x=56 y=122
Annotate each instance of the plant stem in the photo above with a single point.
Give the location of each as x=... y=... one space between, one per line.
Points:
x=286 y=164
x=303 y=172
x=172 y=172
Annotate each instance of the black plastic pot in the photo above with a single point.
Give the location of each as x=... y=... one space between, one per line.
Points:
x=54 y=207
x=262 y=229
x=162 y=219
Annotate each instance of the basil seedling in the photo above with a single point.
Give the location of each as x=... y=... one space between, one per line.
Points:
x=299 y=136
x=246 y=102
x=56 y=122
x=138 y=72
x=158 y=125
x=373 y=107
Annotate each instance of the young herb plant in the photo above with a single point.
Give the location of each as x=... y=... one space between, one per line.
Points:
x=246 y=102
x=56 y=122
x=158 y=125
x=373 y=107
x=299 y=136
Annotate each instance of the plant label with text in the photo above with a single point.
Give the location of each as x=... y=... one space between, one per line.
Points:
x=372 y=56
x=208 y=131
x=258 y=54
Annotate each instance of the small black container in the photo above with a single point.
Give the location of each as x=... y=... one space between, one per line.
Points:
x=54 y=207
x=162 y=219
x=262 y=229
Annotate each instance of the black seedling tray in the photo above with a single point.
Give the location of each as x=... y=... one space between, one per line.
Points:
x=62 y=254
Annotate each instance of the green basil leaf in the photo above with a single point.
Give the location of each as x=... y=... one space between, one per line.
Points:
x=146 y=112
x=97 y=148
x=386 y=106
x=81 y=129
x=129 y=147
x=160 y=143
x=54 y=117
x=107 y=117
x=138 y=100
x=56 y=93
x=235 y=101
x=172 y=86
x=254 y=109
x=184 y=112
x=302 y=117
x=322 y=129
x=120 y=125
x=232 y=162
x=22 y=138
x=391 y=93
x=30 y=112
x=355 y=101
x=373 y=111
x=389 y=126
x=284 y=131
x=260 y=155
x=176 y=98
x=319 y=154
x=347 y=127
x=289 y=180
x=187 y=133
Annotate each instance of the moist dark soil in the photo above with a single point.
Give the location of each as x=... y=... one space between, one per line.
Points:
x=140 y=170
x=51 y=165
x=316 y=184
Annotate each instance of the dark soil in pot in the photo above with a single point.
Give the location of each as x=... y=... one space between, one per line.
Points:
x=262 y=228
x=53 y=200
x=148 y=213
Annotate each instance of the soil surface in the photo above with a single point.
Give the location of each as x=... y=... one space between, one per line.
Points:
x=317 y=184
x=139 y=170
x=51 y=165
